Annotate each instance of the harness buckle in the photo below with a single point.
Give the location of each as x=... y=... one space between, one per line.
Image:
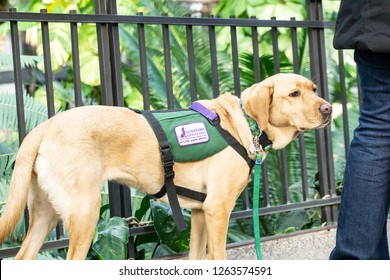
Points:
x=166 y=154
x=169 y=175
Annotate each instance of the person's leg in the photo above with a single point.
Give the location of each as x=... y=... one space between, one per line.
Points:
x=361 y=229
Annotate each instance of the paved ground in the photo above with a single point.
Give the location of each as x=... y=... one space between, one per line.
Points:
x=309 y=246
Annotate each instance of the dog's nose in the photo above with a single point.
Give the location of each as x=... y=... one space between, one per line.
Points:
x=326 y=109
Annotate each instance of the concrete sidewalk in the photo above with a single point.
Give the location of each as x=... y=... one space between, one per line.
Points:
x=315 y=245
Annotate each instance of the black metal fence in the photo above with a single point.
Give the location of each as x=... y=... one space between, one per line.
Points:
x=107 y=31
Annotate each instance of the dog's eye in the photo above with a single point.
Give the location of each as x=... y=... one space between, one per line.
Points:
x=295 y=93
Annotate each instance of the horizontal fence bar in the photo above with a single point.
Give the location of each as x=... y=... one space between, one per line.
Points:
x=48 y=245
x=134 y=231
x=287 y=207
x=199 y=21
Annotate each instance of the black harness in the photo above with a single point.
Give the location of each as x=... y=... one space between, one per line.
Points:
x=169 y=186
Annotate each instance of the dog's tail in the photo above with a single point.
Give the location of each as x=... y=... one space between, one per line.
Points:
x=20 y=182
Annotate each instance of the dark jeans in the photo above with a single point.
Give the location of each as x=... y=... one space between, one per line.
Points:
x=365 y=199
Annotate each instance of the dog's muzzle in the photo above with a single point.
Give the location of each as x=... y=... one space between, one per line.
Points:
x=326 y=111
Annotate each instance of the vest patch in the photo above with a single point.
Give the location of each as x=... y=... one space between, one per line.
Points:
x=191 y=134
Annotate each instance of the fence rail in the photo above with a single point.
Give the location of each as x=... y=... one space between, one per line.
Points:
x=72 y=17
x=107 y=29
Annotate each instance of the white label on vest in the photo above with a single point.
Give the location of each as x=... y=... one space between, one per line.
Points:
x=191 y=134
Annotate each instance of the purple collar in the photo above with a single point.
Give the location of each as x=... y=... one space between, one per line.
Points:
x=211 y=116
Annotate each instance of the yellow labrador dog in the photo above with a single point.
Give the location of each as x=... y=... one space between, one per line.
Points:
x=62 y=164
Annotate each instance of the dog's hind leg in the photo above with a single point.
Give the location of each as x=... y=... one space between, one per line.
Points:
x=80 y=222
x=43 y=219
x=198 y=235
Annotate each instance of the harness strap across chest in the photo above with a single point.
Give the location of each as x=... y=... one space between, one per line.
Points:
x=169 y=187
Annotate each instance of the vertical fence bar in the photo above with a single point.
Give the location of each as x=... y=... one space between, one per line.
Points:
x=236 y=66
x=143 y=64
x=191 y=61
x=214 y=60
x=114 y=191
x=275 y=47
x=301 y=138
x=343 y=95
x=283 y=154
x=257 y=73
x=294 y=44
x=168 y=64
x=256 y=55
x=19 y=93
x=104 y=55
x=47 y=65
x=323 y=137
x=118 y=100
x=78 y=100
x=117 y=88
x=237 y=88
x=49 y=85
x=115 y=56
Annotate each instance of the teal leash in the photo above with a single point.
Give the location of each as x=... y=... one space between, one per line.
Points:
x=256 y=194
x=258 y=150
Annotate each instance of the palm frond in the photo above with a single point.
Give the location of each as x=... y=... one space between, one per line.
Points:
x=26 y=60
x=35 y=113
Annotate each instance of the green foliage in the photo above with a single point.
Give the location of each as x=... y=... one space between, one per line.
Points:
x=35 y=114
x=25 y=60
x=166 y=229
x=261 y=9
x=110 y=241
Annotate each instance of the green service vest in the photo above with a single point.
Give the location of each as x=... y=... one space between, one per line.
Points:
x=191 y=136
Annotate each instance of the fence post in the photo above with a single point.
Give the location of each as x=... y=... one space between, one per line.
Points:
x=115 y=55
x=112 y=94
x=323 y=136
x=19 y=93
x=104 y=55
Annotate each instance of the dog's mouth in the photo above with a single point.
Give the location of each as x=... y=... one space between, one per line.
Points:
x=327 y=120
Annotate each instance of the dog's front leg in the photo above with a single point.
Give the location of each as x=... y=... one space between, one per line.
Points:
x=216 y=219
x=198 y=235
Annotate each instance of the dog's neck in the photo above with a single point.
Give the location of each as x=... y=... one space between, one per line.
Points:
x=228 y=108
x=261 y=142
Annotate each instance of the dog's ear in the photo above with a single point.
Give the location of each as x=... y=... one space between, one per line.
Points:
x=257 y=101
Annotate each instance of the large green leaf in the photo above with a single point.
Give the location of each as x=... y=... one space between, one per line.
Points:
x=143 y=208
x=167 y=230
x=112 y=238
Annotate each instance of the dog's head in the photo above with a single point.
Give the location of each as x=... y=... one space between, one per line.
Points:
x=284 y=105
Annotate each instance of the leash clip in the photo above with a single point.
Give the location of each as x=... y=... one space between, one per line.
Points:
x=255 y=147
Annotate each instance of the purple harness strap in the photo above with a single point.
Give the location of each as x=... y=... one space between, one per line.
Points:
x=214 y=119
x=211 y=116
